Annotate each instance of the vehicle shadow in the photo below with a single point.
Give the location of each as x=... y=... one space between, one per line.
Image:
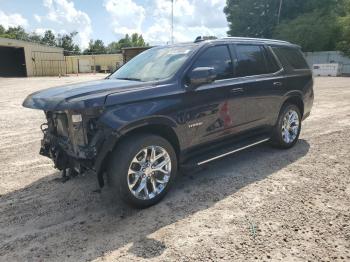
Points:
x=54 y=222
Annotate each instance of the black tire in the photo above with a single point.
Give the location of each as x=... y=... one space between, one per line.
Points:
x=277 y=139
x=121 y=159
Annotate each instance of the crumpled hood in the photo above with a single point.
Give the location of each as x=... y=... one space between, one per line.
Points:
x=81 y=95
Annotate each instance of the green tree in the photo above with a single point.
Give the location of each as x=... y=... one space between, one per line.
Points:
x=113 y=48
x=2 y=30
x=125 y=42
x=17 y=32
x=291 y=9
x=76 y=50
x=96 y=47
x=67 y=43
x=251 y=18
x=314 y=31
x=34 y=37
x=49 y=38
x=136 y=40
x=309 y=23
x=258 y=18
x=344 y=23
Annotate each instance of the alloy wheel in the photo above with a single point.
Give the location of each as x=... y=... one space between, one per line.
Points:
x=290 y=126
x=149 y=172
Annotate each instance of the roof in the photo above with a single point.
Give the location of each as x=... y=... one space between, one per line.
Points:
x=249 y=40
x=21 y=43
x=221 y=40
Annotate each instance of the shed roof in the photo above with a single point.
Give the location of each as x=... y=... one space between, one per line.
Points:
x=22 y=43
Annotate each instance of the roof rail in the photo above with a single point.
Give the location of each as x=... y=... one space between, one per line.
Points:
x=256 y=39
x=199 y=39
x=204 y=38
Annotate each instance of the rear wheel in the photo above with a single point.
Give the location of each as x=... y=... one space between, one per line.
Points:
x=287 y=130
x=142 y=169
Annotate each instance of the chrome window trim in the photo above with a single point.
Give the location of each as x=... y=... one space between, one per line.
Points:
x=252 y=76
x=237 y=80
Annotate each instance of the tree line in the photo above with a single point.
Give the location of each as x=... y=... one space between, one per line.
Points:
x=315 y=25
x=66 y=41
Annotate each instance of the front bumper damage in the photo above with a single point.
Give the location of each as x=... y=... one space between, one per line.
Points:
x=77 y=146
x=62 y=154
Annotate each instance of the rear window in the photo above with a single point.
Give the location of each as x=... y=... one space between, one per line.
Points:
x=292 y=56
x=250 y=60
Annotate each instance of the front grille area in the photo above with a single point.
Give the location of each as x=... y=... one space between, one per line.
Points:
x=74 y=139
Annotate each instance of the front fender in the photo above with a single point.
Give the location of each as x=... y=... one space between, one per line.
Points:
x=124 y=118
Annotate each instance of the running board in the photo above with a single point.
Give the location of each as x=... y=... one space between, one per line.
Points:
x=232 y=152
x=223 y=152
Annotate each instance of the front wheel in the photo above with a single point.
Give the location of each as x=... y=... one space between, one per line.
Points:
x=287 y=130
x=142 y=169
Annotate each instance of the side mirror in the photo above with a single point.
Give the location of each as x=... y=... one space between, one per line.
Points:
x=200 y=76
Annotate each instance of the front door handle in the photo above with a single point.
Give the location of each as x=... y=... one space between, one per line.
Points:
x=277 y=84
x=237 y=90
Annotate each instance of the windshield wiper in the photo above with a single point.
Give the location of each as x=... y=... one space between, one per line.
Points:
x=129 y=78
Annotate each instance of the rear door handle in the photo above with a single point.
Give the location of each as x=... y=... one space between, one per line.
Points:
x=278 y=84
x=237 y=90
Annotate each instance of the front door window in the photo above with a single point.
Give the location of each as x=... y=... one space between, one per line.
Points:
x=217 y=57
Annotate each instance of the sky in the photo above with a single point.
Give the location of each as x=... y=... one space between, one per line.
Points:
x=110 y=20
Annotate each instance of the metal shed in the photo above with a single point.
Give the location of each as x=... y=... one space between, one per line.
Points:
x=93 y=63
x=131 y=52
x=21 y=58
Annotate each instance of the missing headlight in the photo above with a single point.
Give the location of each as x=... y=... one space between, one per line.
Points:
x=77 y=118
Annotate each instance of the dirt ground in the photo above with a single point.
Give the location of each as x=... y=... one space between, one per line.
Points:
x=262 y=204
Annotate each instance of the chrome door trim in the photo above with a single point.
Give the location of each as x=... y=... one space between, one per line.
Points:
x=232 y=152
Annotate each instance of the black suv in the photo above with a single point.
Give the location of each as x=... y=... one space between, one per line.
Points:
x=175 y=107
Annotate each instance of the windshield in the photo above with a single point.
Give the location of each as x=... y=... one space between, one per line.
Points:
x=154 y=64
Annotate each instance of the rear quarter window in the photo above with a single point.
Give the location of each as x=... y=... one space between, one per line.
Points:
x=291 y=57
x=272 y=65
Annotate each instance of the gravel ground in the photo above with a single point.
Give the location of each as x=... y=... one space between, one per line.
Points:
x=262 y=204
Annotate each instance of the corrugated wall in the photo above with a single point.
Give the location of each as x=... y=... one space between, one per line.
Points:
x=92 y=63
x=40 y=60
x=47 y=62
x=329 y=57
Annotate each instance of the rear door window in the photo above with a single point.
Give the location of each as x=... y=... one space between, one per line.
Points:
x=250 y=60
x=219 y=58
x=292 y=56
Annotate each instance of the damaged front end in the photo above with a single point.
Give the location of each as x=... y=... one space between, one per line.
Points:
x=76 y=141
x=74 y=136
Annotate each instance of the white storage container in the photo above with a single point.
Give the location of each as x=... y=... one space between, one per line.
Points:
x=327 y=69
